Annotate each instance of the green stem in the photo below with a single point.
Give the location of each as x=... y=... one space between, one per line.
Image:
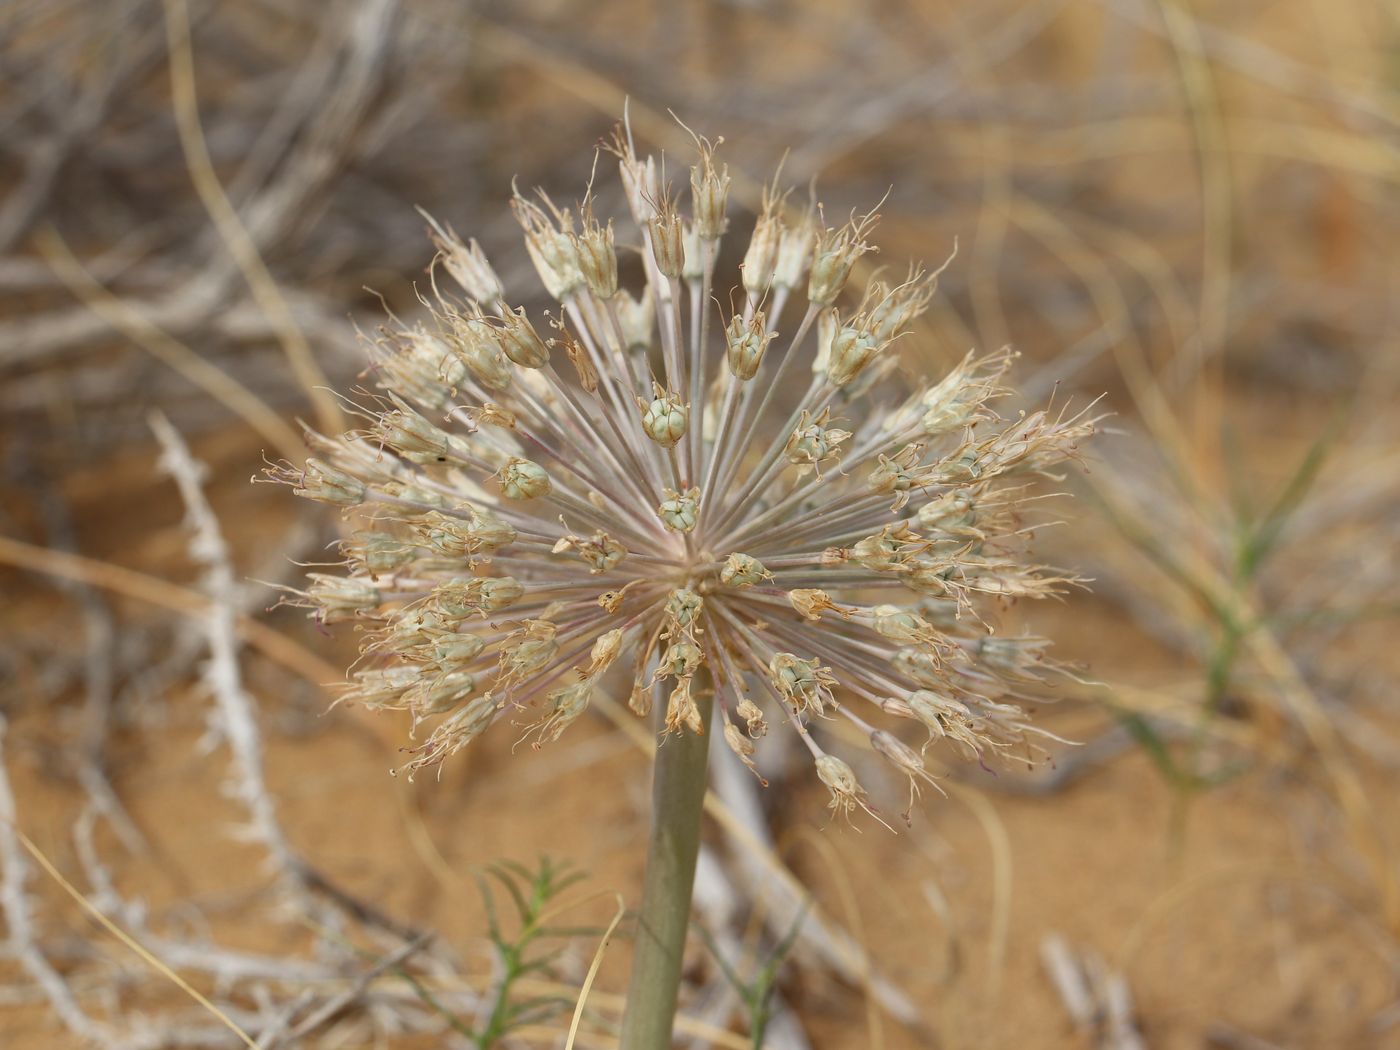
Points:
x=678 y=796
x=496 y=1024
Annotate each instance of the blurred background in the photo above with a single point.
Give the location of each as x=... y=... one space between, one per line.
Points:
x=1191 y=207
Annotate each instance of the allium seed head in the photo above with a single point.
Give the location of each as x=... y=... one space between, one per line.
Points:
x=656 y=491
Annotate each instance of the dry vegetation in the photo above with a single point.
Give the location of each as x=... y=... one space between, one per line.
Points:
x=1192 y=207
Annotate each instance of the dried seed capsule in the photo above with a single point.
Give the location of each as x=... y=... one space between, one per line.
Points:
x=906 y=760
x=550 y=245
x=745 y=344
x=458 y=599
x=943 y=716
x=381 y=688
x=897 y=474
x=521 y=479
x=1016 y=656
x=490 y=532
x=455 y=732
x=415 y=494
x=640 y=699
x=680 y=660
x=892 y=312
x=814 y=443
x=835 y=256
x=761 y=259
x=805 y=684
x=600 y=551
x=920 y=667
x=408 y=433
x=840 y=779
x=440 y=693
x=420 y=366
x=597 y=257
x=664 y=419
x=639 y=180
x=414 y=626
x=753 y=717
x=445 y=534
x=811 y=602
x=566 y=705
x=679 y=511
x=478 y=346
x=852 y=350
x=831 y=268
x=682 y=713
x=668 y=242
x=605 y=650
x=376 y=553
x=709 y=194
x=520 y=342
x=953 y=512
x=322 y=482
x=902 y=625
x=340 y=598
x=795 y=253
x=740 y=570
x=467 y=264
x=454 y=648
x=684 y=606
x=528 y=651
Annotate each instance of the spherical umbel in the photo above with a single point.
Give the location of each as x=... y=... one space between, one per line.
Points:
x=708 y=482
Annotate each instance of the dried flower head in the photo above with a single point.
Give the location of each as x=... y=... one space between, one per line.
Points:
x=671 y=499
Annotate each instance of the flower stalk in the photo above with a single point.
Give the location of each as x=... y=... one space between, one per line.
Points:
x=678 y=798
